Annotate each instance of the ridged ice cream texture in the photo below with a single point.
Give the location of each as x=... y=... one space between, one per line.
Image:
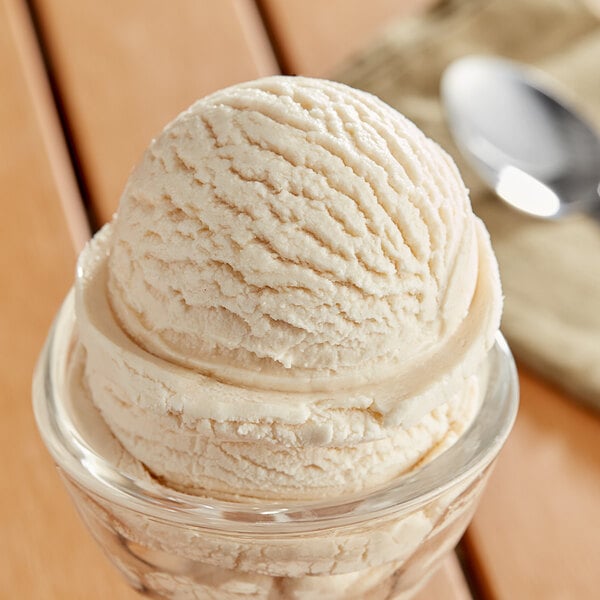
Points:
x=295 y=282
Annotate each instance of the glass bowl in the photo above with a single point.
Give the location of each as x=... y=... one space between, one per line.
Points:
x=382 y=544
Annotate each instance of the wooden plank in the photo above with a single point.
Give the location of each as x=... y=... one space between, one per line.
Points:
x=447 y=583
x=314 y=37
x=126 y=68
x=535 y=534
x=47 y=553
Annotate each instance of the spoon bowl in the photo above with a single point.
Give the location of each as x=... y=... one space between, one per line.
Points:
x=523 y=140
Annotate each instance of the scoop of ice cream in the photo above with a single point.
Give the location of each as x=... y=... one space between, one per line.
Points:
x=292 y=232
x=294 y=301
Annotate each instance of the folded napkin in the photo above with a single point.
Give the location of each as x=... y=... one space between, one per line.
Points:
x=550 y=270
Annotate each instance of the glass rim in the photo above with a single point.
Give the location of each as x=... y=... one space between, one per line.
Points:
x=473 y=451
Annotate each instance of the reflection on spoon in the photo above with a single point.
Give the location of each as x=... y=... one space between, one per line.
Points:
x=525 y=143
x=527 y=193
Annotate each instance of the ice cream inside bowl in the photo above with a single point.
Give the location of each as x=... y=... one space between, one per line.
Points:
x=294 y=300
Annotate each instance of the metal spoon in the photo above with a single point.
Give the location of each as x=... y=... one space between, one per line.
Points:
x=521 y=138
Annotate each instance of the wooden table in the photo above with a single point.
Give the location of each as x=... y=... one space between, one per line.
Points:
x=85 y=85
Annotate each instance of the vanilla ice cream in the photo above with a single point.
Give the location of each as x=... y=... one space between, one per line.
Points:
x=294 y=298
x=294 y=302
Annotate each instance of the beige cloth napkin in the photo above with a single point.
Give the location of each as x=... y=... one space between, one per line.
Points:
x=550 y=270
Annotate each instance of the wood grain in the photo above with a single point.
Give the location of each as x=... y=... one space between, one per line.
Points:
x=124 y=69
x=47 y=553
x=447 y=583
x=314 y=37
x=536 y=532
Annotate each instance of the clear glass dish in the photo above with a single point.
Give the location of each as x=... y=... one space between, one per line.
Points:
x=378 y=545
